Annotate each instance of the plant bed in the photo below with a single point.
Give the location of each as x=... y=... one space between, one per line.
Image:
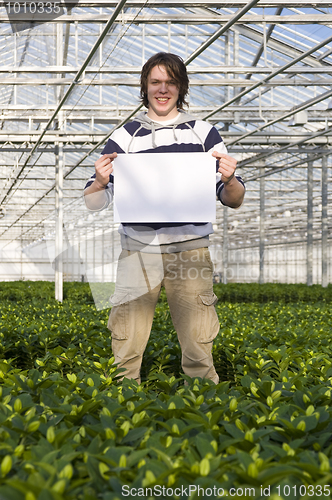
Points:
x=70 y=430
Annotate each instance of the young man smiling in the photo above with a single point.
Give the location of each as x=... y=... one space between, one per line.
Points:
x=162 y=95
x=173 y=255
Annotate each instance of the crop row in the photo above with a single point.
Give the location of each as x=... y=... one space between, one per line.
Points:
x=70 y=430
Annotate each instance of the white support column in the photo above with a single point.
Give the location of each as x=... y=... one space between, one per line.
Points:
x=310 y=189
x=72 y=248
x=261 y=224
x=59 y=222
x=79 y=255
x=87 y=264
x=59 y=163
x=325 y=278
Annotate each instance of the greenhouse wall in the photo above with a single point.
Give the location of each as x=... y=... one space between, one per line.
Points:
x=94 y=259
x=281 y=264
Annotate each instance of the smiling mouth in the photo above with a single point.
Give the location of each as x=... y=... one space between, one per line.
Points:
x=162 y=99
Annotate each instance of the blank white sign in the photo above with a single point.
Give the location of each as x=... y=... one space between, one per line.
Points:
x=170 y=187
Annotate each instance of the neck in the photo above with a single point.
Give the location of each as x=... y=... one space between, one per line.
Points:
x=162 y=118
x=169 y=120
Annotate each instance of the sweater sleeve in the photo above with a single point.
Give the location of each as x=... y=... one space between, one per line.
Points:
x=220 y=186
x=221 y=148
x=101 y=199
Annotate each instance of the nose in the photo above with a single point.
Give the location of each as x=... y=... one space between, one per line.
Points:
x=163 y=87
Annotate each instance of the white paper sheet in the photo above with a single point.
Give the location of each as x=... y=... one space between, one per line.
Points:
x=172 y=187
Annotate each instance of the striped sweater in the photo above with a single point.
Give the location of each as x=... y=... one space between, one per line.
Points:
x=184 y=134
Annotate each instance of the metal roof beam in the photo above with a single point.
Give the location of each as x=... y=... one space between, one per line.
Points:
x=198 y=3
x=262 y=47
x=183 y=18
x=272 y=75
x=302 y=161
x=262 y=156
x=279 y=45
x=294 y=110
x=191 y=70
x=215 y=82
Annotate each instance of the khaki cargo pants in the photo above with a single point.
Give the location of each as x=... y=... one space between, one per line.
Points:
x=187 y=278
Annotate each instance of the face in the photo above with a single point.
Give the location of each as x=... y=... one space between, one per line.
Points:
x=163 y=94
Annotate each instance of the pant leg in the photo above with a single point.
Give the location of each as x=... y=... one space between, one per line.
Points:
x=189 y=288
x=134 y=303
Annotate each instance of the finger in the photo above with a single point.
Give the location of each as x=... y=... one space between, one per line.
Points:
x=103 y=163
x=106 y=158
x=227 y=168
x=227 y=159
x=216 y=154
x=227 y=165
x=109 y=155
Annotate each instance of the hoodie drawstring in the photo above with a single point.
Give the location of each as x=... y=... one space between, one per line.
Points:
x=133 y=137
x=198 y=137
x=174 y=134
x=153 y=135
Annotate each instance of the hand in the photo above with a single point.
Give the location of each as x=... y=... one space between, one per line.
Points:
x=104 y=167
x=227 y=166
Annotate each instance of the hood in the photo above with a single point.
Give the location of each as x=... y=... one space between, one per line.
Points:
x=148 y=124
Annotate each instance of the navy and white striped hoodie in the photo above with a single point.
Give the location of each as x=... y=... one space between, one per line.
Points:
x=183 y=134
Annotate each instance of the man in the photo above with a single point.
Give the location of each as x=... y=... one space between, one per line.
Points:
x=173 y=255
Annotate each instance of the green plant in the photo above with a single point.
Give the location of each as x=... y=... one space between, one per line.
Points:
x=69 y=429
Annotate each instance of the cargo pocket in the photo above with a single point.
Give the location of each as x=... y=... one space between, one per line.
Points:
x=118 y=321
x=208 y=321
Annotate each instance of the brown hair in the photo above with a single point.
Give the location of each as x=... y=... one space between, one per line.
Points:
x=175 y=68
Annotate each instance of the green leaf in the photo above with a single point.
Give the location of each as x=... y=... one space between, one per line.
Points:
x=134 y=435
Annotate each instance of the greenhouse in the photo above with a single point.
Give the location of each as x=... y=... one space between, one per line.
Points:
x=247 y=413
x=258 y=71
